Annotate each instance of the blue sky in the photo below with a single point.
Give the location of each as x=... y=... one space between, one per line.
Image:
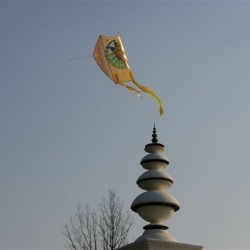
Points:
x=68 y=133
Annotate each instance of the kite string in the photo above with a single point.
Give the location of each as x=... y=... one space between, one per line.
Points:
x=79 y=57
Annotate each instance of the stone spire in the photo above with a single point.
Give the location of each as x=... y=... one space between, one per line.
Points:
x=155 y=205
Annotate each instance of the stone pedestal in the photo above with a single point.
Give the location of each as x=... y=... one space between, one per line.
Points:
x=153 y=244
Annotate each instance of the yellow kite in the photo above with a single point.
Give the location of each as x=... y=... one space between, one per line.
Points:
x=111 y=58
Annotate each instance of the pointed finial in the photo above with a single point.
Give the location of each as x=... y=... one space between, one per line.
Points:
x=154 y=135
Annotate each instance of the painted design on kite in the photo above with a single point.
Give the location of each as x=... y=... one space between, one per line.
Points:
x=115 y=55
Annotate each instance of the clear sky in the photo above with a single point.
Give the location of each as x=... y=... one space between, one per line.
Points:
x=68 y=133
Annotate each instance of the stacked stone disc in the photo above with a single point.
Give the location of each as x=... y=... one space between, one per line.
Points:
x=155 y=205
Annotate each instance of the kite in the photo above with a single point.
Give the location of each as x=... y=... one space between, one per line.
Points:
x=110 y=56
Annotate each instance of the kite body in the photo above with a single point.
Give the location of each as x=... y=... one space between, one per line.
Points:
x=110 y=55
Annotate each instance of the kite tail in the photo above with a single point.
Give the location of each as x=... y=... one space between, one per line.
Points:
x=150 y=92
x=130 y=89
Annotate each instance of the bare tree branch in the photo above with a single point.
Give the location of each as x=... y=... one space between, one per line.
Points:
x=108 y=230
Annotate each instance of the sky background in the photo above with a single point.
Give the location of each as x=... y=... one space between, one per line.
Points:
x=68 y=133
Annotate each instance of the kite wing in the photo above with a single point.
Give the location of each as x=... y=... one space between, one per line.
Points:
x=110 y=55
